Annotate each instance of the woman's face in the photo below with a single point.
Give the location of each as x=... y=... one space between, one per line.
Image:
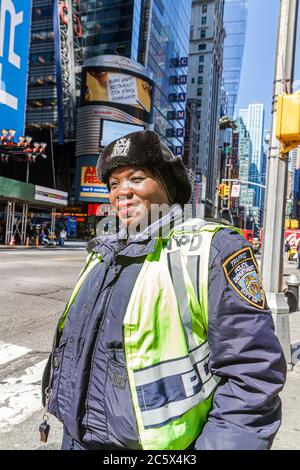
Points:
x=133 y=191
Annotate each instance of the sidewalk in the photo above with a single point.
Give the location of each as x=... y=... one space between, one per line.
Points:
x=288 y=436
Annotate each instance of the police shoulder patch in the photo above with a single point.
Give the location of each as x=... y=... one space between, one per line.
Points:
x=242 y=273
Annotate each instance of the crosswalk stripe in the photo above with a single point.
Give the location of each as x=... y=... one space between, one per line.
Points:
x=20 y=397
x=9 y=352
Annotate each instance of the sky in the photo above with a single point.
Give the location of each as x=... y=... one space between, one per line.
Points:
x=259 y=55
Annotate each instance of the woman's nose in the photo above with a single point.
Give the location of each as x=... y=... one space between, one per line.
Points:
x=125 y=189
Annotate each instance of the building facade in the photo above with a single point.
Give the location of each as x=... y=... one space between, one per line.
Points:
x=247 y=194
x=204 y=83
x=235 y=24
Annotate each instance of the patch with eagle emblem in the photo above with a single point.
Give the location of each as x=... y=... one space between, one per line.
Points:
x=242 y=273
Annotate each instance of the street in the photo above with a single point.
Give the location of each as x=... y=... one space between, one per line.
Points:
x=34 y=288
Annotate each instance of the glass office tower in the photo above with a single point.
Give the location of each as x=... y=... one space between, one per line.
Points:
x=235 y=24
x=42 y=110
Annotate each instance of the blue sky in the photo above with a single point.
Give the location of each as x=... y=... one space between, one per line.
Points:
x=259 y=55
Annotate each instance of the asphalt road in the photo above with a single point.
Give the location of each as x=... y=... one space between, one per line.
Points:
x=34 y=288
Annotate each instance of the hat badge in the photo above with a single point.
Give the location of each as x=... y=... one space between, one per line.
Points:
x=121 y=147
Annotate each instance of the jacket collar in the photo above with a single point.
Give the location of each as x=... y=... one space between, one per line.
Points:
x=139 y=244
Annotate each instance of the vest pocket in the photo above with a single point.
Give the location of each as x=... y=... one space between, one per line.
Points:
x=121 y=423
x=57 y=368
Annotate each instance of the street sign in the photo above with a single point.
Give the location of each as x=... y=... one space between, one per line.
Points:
x=15 y=18
x=235 y=190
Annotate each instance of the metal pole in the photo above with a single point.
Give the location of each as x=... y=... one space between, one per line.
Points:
x=8 y=218
x=27 y=172
x=52 y=158
x=275 y=198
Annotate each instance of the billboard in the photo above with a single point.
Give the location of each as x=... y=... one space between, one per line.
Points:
x=15 y=18
x=113 y=130
x=115 y=87
x=119 y=88
x=53 y=196
x=90 y=186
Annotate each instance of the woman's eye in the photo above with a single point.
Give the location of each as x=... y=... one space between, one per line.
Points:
x=113 y=184
x=137 y=179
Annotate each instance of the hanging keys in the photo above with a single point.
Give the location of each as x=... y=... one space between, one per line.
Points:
x=44 y=431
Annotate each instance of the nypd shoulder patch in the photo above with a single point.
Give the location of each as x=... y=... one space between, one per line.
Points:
x=242 y=273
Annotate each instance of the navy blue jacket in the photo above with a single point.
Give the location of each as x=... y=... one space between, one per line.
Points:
x=90 y=391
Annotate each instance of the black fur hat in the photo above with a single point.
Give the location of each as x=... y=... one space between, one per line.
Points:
x=145 y=149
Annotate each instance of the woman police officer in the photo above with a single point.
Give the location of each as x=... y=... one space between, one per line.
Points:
x=167 y=341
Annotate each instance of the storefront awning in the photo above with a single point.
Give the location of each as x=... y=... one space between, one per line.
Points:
x=32 y=194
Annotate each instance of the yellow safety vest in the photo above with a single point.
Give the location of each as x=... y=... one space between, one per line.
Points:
x=165 y=338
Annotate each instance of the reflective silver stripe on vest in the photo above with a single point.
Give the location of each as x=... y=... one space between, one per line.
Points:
x=181 y=366
x=193 y=374
x=173 y=410
x=175 y=268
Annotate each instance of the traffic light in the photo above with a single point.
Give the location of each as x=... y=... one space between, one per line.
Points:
x=221 y=190
x=288 y=121
x=226 y=190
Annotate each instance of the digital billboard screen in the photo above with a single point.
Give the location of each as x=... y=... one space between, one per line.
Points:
x=125 y=90
x=15 y=16
x=113 y=130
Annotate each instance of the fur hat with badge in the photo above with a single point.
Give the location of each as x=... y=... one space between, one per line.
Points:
x=145 y=149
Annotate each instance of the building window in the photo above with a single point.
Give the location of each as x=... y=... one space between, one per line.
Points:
x=202 y=47
x=201 y=68
x=199 y=103
x=199 y=92
x=204 y=20
x=203 y=33
x=200 y=80
x=193 y=80
x=204 y=8
x=201 y=58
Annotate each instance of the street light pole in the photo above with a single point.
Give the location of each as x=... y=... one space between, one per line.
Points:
x=275 y=198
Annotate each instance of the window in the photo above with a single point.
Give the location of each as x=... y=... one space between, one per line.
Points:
x=201 y=58
x=200 y=80
x=204 y=20
x=193 y=80
x=202 y=47
x=199 y=103
x=204 y=8
x=201 y=68
x=199 y=92
x=203 y=33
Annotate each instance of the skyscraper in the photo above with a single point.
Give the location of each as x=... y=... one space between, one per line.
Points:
x=204 y=83
x=235 y=24
x=253 y=118
x=247 y=195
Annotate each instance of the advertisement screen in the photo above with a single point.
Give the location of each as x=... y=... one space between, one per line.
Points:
x=90 y=185
x=15 y=18
x=112 y=130
x=115 y=87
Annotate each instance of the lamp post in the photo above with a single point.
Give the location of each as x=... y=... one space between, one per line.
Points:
x=24 y=147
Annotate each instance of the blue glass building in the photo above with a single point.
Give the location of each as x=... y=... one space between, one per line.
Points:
x=235 y=24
